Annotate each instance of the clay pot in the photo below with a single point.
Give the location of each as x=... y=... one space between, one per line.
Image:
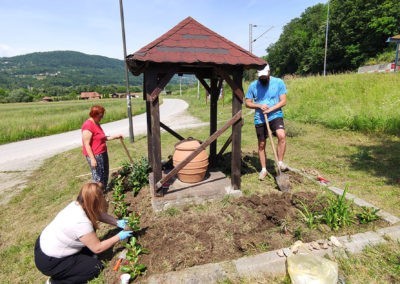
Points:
x=196 y=169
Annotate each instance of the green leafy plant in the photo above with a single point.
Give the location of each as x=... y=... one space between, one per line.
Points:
x=312 y=219
x=118 y=189
x=339 y=212
x=133 y=221
x=133 y=267
x=139 y=175
x=298 y=233
x=120 y=209
x=368 y=214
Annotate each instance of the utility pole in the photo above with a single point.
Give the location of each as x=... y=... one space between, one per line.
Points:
x=251 y=37
x=251 y=40
x=326 y=38
x=128 y=94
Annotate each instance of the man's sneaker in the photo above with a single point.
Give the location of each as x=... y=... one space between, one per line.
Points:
x=262 y=175
x=48 y=281
x=282 y=166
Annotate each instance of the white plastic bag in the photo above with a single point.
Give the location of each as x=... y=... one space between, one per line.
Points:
x=307 y=268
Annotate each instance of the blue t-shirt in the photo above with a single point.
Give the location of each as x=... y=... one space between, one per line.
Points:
x=266 y=95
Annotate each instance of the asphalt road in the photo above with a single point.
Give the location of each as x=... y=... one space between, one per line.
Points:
x=19 y=159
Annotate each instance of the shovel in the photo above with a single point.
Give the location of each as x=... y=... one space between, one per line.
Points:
x=121 y=257
x=282 y=179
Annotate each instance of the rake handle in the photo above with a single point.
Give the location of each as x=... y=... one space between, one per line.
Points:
x=126 y=149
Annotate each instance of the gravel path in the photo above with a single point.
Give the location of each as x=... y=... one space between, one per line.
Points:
x=20 y=159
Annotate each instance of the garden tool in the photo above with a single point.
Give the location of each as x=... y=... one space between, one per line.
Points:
x=282 y=179
x=126 y=150
x=121 y=257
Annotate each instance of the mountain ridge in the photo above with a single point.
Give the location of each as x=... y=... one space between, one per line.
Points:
x=62 y=68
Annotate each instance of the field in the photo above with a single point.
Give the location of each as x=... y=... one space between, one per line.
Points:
x=365 y=161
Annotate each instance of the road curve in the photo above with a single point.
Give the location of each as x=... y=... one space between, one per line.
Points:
x=19 y=159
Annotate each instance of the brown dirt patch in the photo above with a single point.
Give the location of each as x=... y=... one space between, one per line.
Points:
x=219 y=231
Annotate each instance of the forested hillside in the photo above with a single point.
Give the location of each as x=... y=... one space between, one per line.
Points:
x=62 y=69
x=353 y=31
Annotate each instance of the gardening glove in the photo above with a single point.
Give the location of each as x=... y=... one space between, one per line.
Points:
x=124 y=234
x=121 y=223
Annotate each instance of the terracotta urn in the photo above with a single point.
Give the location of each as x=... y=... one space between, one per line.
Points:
x=196 y=169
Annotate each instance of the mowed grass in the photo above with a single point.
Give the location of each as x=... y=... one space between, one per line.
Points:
x=362 y=102
x=365 y=161
x=20 y=121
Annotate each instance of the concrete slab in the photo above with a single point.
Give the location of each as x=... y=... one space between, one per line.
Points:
x=391 y=232
x=261 y=264
x=215 y=186
x=356 y=243
x=207 y=273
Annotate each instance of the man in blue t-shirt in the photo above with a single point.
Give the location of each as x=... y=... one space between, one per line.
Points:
x=267 y=95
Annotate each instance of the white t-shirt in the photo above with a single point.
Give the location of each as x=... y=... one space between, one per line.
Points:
x=61 y=237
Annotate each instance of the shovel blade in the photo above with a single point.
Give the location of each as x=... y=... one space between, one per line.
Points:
x=282 y=180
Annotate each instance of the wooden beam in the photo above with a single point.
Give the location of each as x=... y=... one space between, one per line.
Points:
x=172 y=132
x=227 y=143
x=237 y=88
x=183 y=163
x=204 y=83
x=161 y=85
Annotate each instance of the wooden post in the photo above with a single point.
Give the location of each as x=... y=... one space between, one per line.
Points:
x=154 y=146
x=236 y=132
x=213 y=119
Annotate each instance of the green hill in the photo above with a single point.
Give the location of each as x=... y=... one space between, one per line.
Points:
x=63 y=69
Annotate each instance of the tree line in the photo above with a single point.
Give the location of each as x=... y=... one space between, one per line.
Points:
x=357 y=31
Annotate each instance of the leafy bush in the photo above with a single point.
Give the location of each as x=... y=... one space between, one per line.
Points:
x=139 y=175
x=368 y=215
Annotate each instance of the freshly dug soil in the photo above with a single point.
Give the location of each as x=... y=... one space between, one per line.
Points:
x=232 y=228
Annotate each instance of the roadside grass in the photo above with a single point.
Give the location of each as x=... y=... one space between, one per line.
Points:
x=365 y=162
x=362 y=102
x=20 y=121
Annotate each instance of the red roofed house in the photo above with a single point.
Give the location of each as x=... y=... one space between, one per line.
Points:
x=191 y=48
x=89 y=95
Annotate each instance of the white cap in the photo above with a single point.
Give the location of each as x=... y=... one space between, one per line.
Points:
x=263 y=72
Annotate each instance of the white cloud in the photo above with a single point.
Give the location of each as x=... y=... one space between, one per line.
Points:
x=6 y=51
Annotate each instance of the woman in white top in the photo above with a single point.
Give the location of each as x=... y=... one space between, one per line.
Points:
x=66 y=249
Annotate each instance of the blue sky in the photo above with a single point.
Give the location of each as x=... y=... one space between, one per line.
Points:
x=94 y=26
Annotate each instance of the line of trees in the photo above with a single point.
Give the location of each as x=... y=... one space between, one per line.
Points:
x=358 y=30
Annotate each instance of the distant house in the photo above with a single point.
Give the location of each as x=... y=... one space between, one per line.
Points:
x=117 y=95
x=47 y=99
x=123 y=95
x=89 y=95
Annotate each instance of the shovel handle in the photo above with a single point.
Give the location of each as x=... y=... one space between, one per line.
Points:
x=272 y=143
x=126 y=149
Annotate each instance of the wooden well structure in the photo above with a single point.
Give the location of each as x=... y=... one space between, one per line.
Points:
x=191 y=48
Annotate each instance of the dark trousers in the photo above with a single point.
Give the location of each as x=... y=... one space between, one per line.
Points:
x=76 y=268
x=101 y=172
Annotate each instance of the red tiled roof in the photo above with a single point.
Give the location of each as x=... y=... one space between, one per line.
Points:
x=190 y=42
x=90 y=95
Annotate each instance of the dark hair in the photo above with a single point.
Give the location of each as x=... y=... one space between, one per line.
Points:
x=96 y=111
x=92 y=200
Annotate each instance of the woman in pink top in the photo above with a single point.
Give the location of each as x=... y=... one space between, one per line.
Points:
x=94 y=145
